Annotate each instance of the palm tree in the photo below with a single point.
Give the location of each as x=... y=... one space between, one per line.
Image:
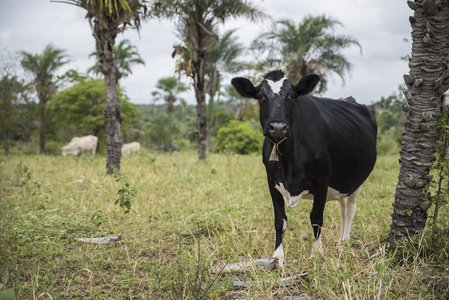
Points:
x=196 y=25
x=10 y=88
x=427 y=82
x=108 y=18
x=126 y=56
x=171 y=87
x=222 y=59
x=306 y=47
x=43 y=67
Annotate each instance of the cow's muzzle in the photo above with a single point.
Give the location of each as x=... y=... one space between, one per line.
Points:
x=277 y=130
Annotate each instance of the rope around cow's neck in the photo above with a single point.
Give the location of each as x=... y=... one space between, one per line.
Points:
x=274 y=153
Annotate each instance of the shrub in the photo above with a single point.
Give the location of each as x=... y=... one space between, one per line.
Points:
x=389 y=142
x=238 y=137
x=54 y=148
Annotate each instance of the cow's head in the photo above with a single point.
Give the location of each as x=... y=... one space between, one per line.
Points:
x=276 y=95
x=69 y=150
x=65 y=150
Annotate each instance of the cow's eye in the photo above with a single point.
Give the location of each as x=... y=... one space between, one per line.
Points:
x=259 y=97
x=293 y=95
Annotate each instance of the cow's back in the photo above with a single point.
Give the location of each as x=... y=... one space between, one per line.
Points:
x=80 y=145
x=133 y=147
x=349 y=131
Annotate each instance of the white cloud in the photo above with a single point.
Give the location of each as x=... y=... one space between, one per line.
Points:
x=379 y=25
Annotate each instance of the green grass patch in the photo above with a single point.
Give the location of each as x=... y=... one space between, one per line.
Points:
x=185 y=218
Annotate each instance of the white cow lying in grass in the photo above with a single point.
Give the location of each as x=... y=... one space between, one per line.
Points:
x=130 y=148
x=80 y=145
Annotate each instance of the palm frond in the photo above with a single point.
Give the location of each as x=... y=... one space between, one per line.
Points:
x=305 y=47
x=119 y=13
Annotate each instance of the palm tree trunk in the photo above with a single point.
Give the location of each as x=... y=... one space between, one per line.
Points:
x=43 y=127
x=97 y=131
x=6 y=142
x=104 y=43
x=211 y=110
x=113 y=127
x=169 y=130
x=426 y=83
x=201 y=111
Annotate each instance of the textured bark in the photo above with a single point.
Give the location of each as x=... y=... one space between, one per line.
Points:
x=105 y=39
x=201 y=121
x=426 y=84
x=170 y=142
x=6 y=142
x=170 y=108
x=43 y=127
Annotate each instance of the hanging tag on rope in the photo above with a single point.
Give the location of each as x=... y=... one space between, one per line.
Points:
x=274 y=153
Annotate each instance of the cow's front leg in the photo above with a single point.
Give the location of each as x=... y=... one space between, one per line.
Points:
x=280 y=224
x=316 y=216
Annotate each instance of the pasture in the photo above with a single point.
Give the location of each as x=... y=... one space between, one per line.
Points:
x=188 y=218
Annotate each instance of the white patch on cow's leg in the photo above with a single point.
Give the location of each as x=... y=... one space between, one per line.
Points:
x=279 y=252
x=350 y=208
x=342 y=203
x=279 y=255
x=317 y=247
x=276 y=85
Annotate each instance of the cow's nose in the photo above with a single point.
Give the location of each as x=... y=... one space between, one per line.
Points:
x=277 y=129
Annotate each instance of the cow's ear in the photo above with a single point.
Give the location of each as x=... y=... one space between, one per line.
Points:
x=244 y=86
x=307 y=84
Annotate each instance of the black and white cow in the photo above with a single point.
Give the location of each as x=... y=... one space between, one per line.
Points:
x=315 y=148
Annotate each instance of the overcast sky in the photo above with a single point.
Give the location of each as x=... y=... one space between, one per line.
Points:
x=380 y=26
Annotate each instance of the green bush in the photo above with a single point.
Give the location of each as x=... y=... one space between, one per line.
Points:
x=389 y=142
x=238 y=137
x=54 y=148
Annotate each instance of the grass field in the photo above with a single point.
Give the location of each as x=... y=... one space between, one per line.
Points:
x=186 y=219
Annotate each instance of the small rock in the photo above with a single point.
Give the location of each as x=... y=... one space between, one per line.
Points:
x=101 y=240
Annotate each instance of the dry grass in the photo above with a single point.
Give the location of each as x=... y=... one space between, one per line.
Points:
x=188 y=218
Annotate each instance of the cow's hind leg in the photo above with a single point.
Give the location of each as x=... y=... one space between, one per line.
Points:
x=347 y=212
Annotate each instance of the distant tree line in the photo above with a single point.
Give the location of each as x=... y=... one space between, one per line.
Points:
x=204 y=55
